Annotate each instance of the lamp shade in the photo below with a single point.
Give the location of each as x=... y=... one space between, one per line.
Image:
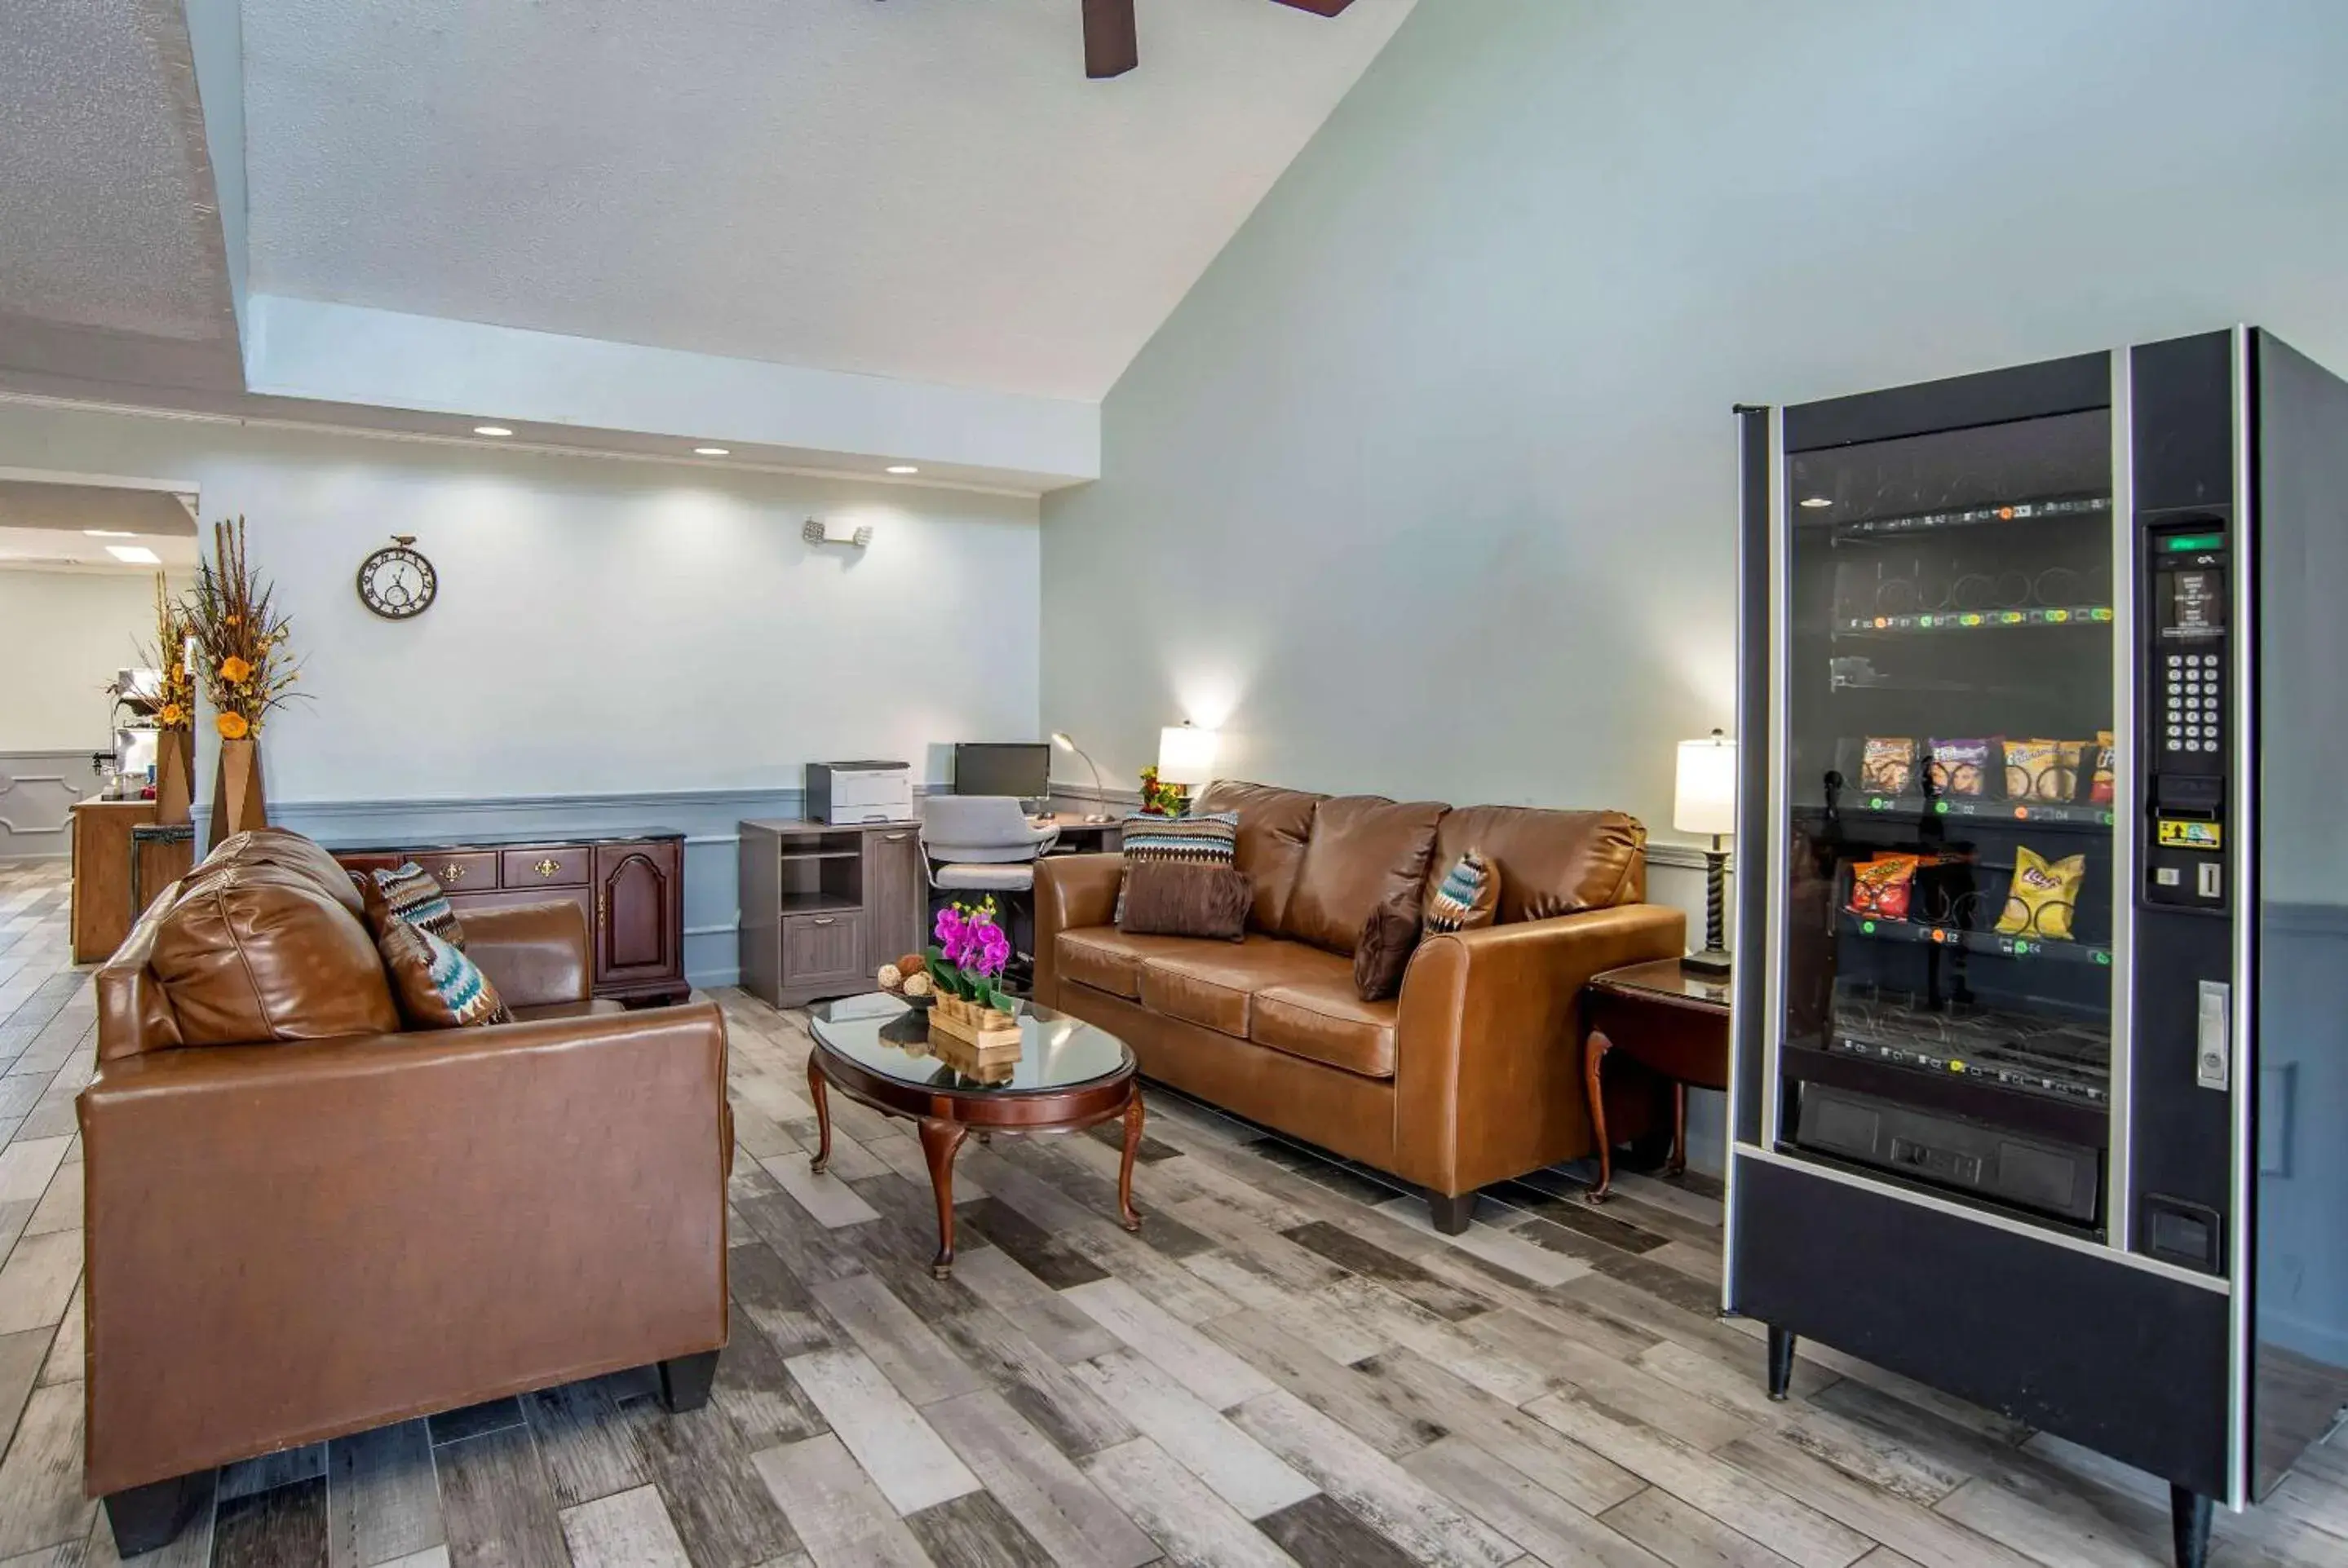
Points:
x=1705 y=798
x=1185 y=755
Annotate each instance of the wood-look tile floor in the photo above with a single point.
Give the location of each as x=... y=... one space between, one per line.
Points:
x=1285 y=1366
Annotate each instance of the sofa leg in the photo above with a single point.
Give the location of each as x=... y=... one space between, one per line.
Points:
x=146 y=1517
x=685 y=1381
x=1451 y=1213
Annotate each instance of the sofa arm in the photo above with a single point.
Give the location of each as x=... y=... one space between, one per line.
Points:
x=1488 y=1071
x=1072 y=891
x=535 y=954
x=289 y=1242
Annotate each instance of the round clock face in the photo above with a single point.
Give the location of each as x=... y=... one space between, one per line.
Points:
x=396 y=582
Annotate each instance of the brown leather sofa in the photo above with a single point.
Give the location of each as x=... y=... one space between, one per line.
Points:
x=301 y=1222
x=1472 y=1075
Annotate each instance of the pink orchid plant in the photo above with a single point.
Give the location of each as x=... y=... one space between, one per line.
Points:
x=970 y=953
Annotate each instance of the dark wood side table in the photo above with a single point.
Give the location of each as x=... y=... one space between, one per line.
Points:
x=1069 y=1075
x=1664 y=1018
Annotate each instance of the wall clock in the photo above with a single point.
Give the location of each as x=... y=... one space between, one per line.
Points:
x=397 y=582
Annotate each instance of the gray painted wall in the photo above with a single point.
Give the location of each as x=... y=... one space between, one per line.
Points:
x=1427 y=487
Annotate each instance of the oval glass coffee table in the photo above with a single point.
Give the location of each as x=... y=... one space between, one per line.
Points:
x=1068 y=1075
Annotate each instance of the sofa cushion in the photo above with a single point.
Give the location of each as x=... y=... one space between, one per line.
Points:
x=1389 y=937
x=435 y=984
x=1108 y=959
x=1551 y=862
x=1210 y=983
x=1274 y=824
x=1363 y=850
x=1172 y=899
x=1323 y=1020
x=255 y=953
x=281 y=847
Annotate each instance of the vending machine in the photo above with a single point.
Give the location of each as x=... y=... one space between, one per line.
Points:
x=2040 y=1091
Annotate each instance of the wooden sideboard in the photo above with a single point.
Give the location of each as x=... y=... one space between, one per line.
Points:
x=108 y=865
x=632 y=890
x=823 y=907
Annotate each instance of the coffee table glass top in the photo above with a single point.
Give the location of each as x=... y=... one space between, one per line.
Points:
x=883 y=1035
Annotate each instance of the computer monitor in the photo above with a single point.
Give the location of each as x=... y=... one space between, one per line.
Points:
x=1015 y=768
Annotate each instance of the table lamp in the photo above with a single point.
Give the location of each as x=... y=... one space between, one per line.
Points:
x=1060 y=739
x=1704 y=801
x=1186 y=756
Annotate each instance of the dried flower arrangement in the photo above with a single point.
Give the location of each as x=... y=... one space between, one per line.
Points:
x=175 y=708
x=241 y=638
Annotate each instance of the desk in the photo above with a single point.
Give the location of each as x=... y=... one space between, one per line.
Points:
x=1078 y=836
x=1670 y=1021
x=107 y=865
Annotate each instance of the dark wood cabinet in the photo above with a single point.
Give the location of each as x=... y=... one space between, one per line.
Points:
x=639 y=940
x=631 y=890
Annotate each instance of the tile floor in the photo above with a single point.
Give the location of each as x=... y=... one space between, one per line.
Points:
x=1286 y=1365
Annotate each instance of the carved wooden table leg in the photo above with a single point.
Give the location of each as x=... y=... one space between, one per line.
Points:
x=1133 y=1114
x=1593 y=1055
x=822 y=1117
x=940 y=1141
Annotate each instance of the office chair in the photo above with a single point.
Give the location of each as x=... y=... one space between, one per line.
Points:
x=984 y=844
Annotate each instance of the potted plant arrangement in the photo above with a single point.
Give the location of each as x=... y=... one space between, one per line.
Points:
x=965 y=966
x=247 y=672
x=1162 y=799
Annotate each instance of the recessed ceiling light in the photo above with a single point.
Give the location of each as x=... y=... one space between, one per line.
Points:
x=491 y=430
x=137 y=554
x=1816 y=501
x=710 y=451
x=109 y=533
x=903 y=469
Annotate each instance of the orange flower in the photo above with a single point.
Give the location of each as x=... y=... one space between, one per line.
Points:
x=172 y=716
x=232 y=726
x=235 y=670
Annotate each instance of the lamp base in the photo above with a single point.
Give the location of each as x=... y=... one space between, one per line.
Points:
x=1712 y=963
x=1099 y=816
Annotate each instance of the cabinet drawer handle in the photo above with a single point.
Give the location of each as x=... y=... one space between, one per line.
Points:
x=896 y=837
x=547 y=868
x=452 y=871
x=823 y=920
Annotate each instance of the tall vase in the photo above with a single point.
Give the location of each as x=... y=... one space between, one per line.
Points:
x=175 y=777
x=237 y=802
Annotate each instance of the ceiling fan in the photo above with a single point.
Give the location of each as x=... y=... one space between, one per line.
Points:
x=1112 y=47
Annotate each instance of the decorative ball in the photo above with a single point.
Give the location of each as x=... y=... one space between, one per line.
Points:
x=917 y=985
x=911 y=963
x=890 y=978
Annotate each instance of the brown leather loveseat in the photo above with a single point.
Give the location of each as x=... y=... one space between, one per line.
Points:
x=1471 y=1076
x=301 y=1222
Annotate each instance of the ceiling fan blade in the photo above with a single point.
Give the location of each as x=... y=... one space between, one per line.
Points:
x=1319 y=7
x=1112 y=44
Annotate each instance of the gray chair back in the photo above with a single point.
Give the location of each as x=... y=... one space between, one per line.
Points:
x=988 y=829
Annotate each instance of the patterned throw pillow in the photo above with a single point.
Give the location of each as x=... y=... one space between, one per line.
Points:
x=1469 y=897
x=437 y=985
x=1210 y=839
x=408 y=893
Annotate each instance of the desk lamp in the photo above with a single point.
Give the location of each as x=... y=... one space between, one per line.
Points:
x=1060 y=739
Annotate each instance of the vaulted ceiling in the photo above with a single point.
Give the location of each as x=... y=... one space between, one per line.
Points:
x=929 y=191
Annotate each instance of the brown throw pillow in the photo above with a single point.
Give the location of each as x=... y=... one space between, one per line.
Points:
x=1388 y=938
x=438 y=985
x=1174 y=898
x=1469 y=897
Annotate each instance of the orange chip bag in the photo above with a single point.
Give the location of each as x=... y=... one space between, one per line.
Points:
x=1881 y=886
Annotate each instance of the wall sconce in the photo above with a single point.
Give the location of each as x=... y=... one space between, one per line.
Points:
x=818 y=532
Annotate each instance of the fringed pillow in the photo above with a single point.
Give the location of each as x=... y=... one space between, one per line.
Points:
x=1467 y=898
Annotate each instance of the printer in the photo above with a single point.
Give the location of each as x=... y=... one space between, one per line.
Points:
x=846 y=794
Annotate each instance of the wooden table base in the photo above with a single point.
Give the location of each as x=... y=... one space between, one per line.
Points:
x=942 y=1140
